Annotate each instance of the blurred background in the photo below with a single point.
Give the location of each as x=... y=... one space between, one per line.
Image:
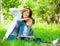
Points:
x=45 y=12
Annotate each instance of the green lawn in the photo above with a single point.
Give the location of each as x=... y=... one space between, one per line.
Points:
x=46 y=32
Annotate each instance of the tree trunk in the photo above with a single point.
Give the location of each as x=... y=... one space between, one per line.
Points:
x=1 y=14
x=56 y=16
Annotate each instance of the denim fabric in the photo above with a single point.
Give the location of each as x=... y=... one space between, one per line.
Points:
x=11 y=37
x=37 y=40
x=16 y=29
x=22 y=28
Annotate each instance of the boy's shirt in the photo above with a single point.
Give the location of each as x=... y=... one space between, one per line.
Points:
x=24 y=30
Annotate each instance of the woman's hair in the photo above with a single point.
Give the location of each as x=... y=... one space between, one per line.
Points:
x=30 y=12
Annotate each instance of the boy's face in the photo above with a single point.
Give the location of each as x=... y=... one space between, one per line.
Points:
x=29 y=22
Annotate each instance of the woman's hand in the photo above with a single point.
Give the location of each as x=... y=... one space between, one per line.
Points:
x=32 y=37
x=24 y=9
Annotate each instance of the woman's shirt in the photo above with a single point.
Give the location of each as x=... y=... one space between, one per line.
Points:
x=16 y=14
x=15 y=31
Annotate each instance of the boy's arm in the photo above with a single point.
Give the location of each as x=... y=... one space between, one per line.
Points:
x=31 y=34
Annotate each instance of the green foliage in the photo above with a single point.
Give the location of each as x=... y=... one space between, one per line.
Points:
x=46 y=32
x=6 y=4
x=40 y=8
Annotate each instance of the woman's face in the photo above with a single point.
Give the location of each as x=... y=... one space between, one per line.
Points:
x=26 y=13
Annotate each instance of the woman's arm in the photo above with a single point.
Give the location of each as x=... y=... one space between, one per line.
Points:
x=22 y=19
x=15 y=12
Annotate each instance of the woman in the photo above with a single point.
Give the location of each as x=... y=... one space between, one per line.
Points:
x=26 y=13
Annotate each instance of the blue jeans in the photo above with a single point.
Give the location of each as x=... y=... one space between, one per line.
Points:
x=12 y=37
x=37 y=40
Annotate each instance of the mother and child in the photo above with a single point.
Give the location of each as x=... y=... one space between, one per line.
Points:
x=21 y=24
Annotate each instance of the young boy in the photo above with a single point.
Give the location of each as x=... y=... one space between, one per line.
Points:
x=25 y=29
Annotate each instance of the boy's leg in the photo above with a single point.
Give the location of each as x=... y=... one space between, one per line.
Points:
x=37 y=40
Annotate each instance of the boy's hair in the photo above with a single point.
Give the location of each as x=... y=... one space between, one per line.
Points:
x=32 y=20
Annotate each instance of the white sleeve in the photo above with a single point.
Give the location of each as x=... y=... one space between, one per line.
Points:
x=15 y=12
x=10 y=29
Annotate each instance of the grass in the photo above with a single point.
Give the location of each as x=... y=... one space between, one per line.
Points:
x=44 y=31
